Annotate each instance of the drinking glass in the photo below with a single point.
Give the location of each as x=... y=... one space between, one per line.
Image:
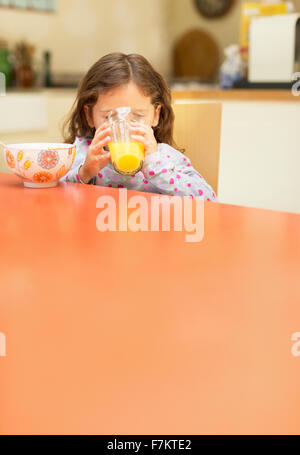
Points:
x=127 y=155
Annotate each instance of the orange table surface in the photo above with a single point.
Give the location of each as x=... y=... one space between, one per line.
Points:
x=144 y=333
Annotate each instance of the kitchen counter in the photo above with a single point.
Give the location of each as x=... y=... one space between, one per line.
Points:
x=235 y=95
x=203 y=94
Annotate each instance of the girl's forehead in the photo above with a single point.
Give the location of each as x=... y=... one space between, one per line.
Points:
x=124 y=95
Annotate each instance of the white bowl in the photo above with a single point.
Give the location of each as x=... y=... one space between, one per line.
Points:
x=40 y=165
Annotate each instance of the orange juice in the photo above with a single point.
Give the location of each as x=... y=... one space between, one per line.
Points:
x=127 y=157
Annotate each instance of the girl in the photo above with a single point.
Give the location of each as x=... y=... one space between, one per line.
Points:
x=129 y=80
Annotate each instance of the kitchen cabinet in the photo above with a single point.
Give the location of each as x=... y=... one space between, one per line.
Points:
x=33 y=116
x=260 y=146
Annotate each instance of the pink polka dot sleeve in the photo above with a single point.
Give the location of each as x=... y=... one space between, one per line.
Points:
x=81 y=151
x=171 y=173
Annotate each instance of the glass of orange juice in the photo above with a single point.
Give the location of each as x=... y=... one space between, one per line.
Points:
x=127 y=155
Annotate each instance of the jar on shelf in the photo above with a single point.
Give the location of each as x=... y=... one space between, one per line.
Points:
x=6 y=66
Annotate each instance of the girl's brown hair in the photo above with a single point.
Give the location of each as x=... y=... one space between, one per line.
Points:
x=109 y=72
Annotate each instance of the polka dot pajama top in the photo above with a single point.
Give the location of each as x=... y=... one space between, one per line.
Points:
x=166 y=171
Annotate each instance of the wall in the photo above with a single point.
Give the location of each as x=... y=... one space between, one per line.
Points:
x=183 y=16
x=81 y=31
x=297 y=5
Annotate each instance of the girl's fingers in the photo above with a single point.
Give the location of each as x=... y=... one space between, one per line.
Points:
x=135 y=122
x=102 y=127
x=101 y=134
x=140 y=138
x=138 y=130
x=140 y=126
x=104 y=158
x=142 y=131
x=97 y=148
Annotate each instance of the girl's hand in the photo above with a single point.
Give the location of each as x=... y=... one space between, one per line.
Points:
x=144 y=134
x=97 y=157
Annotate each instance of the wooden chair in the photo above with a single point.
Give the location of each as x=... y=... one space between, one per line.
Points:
x=197 y=129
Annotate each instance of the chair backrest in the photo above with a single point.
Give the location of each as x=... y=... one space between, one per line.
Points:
x=197 y=129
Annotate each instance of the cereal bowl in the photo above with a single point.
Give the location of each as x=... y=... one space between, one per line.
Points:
x=40 y=165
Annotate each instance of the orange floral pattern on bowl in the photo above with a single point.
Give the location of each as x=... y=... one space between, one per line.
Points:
x=10 y=159
x=27 y=164
x=48 y=159
x=42 y=177
x=20 y=155
x=61 y=172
